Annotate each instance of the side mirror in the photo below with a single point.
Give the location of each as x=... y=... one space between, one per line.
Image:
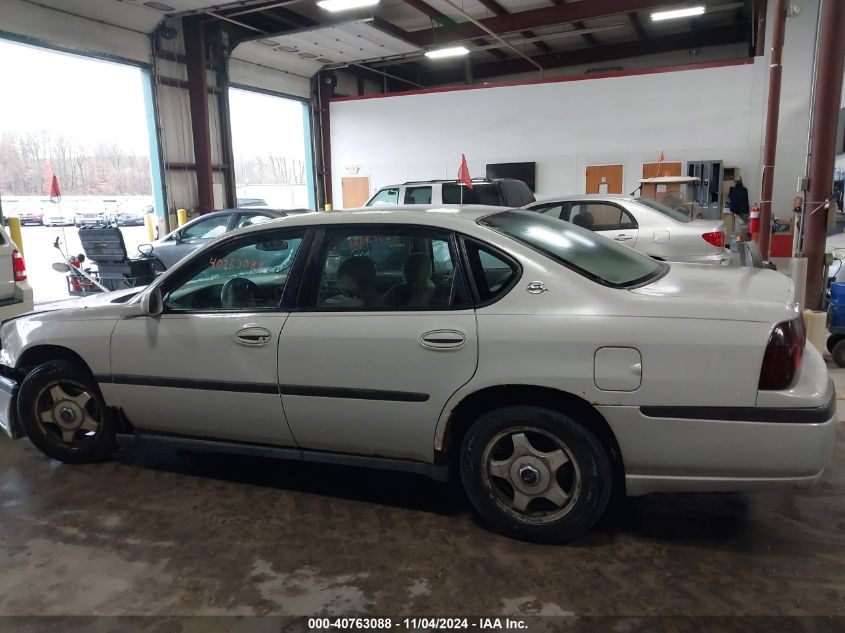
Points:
x=152 y=303
x=145 y=249
x=61 y=267
x=177 y=237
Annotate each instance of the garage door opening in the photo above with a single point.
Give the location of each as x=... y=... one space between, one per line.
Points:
x=271 y=142
x=86 y=121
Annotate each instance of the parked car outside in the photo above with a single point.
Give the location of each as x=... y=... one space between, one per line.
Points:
x=15 y=291
x=501 y=192
x=90 y=215
x=127 y=216
x=252 y=202
x=652 y=228
x=545 y=364
x=54 y=215
x=31 y=217
x=199 y=231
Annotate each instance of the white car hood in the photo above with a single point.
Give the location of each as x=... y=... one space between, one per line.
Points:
x=742 y=294
x=94 y=301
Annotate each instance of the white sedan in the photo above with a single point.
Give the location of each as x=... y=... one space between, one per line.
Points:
x=544 y=364
x=650 y=227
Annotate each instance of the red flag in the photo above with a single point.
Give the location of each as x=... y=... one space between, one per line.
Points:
x=55 y=193
x=463 y=173
x=661 y=158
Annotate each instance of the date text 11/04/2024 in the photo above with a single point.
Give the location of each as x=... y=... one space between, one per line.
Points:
x=413 y=624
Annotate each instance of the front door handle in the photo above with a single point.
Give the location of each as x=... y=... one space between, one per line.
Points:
x=253 y=336
x=622 y=237
x=443 y=339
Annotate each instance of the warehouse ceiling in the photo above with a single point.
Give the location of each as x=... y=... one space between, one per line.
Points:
x=505 y=37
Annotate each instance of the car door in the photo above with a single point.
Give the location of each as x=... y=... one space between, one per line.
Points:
x=207 y=366
x=608 y=219
x=383 y=334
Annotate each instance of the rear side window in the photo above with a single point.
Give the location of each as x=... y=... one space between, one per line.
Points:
x=486 y=193
x=492 y=272
x=599 y=216
x=418 y=195
x=385 y=197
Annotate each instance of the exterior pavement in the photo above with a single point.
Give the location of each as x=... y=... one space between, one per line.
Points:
x=175 y=535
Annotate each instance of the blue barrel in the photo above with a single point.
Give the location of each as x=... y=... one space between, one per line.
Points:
x=837 y=292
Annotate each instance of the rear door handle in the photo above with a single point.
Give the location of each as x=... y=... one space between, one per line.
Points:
x=253 y=336
x=622 y=237
x=443 y=339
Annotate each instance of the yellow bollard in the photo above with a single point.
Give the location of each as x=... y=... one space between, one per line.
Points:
x=15 y=233
x=328 y=206
x=181 y=217
x=149 y=221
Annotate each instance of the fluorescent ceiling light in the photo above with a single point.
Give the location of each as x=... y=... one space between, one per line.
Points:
x=345 y=5
x=677 y=13
x=454 y=51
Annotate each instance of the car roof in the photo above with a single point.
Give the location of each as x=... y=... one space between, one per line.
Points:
x=444 y=180
x=585 y=196
x=442 y=216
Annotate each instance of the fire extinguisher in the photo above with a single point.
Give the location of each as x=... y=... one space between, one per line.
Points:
x=754 y=222
x=75 y=286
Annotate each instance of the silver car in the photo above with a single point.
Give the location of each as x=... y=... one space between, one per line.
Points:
x=652 y=228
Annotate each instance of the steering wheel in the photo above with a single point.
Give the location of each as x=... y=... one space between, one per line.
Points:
x=240 y=292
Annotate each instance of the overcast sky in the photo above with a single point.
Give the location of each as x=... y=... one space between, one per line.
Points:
x=101 y=102
x=89 y=100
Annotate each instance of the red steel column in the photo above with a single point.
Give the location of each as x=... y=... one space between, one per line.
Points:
x=772 y=116
x=823 y=145
x=196 y=62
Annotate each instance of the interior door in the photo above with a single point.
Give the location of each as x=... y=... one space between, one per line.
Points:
x=356 y=191
x=208 y=365
x=603 y=179
x=384 y=335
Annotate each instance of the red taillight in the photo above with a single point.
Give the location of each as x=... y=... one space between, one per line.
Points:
x=18 y=266
x=784 y=354
x=716 y=238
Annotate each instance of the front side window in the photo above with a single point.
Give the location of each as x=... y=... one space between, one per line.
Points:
x=385 y=197
x=592 y=255
x=206 y=229
x=418 y=195
x=486 y=193
x=553 y=210
x=248 y=274
x=399 y=268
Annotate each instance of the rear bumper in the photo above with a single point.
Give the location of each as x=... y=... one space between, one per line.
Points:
x=714 y=449
x=715 y=259
x=20 y=304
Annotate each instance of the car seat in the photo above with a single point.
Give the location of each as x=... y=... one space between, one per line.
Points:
x=584 y=219
x=418 y=288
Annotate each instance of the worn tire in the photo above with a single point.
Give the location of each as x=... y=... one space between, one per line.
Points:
x=94 y=447
x=838 y=353
x=596 y=474
x=832 y=340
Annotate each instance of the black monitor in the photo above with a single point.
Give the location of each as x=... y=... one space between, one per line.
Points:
x=526 y=172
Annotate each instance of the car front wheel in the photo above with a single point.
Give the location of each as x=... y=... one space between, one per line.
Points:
x=536 y=474
x=63 y=414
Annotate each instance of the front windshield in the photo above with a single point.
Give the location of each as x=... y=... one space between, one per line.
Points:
x=593 y=255
x=675 y=214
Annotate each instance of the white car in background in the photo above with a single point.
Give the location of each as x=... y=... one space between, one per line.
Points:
x=54 y=215
x=545 y=364
x=15 y=291
x=652 y=228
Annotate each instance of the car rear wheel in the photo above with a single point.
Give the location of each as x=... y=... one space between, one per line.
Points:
x=838 y=353
x=536 y=474
x=63 y=413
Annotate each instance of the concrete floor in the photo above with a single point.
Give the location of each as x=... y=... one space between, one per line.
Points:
x=170 y=535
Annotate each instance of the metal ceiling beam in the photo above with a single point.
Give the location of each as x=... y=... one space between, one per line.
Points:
x=605 y=52
x=634 y=19
x=257 y=7
x=533 y=19
x=430 y=11
x=588 y=37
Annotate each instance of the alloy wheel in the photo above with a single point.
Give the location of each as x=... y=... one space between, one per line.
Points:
x=67 y=411
x=532 y=474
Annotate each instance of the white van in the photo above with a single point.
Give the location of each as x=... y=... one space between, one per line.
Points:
x=15 y=292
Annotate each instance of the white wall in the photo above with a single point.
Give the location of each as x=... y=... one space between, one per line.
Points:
x=706 y=114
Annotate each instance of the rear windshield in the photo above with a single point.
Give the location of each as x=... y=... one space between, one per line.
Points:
x=588 y=253
x=481 y=193
x=675 y=214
